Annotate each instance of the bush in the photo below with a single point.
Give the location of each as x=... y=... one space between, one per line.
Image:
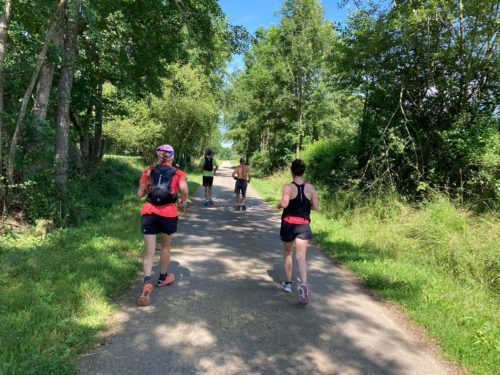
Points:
x=88 y=192
x=331 y=162
x=261 y=164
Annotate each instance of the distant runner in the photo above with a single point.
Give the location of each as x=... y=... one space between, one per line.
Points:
x=242 y=176
x=161 y=183
x=209 y=166
x=298 y=199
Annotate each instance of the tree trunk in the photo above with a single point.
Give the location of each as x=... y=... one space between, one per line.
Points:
x=4 y=26
x=83 y=131
x=11 y=163
x=42 y=93
x=299 y=96
x=97 y=148
x=300 y=131
x=64 y=95
x=44 y=85
x=39 y=112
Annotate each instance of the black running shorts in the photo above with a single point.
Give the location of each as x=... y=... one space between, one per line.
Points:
x=155 y=224
x=240 y=187
x=289 y=232
x=208 y=180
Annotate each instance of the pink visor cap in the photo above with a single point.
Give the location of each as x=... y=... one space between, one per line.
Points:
x=166 y=148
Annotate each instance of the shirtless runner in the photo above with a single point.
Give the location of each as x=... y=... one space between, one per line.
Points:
x=242 y=176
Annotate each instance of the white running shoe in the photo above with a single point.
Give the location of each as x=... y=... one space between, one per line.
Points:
x=286 y=287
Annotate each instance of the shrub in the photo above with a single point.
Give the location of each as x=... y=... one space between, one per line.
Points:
x=88 y=194
x=331 y=162
x=261 y=164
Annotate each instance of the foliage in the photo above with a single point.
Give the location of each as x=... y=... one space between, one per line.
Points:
x=406 y=91
x=74 y=272
x=225 y=153
x=89 y=193
x=185 y=116
x=125 y=53
x=284 y=100
x=261 y=164
x=425 y=70
x=332 y=162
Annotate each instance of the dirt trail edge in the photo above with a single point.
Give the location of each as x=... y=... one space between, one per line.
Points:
x=227 y=315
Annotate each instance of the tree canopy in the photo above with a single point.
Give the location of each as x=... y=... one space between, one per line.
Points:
x=68 y=67
x=405 y=95
x=402 y=96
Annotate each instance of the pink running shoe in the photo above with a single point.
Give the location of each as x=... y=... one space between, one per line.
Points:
x=146 y=292
x=303 y=294
x=169 y=280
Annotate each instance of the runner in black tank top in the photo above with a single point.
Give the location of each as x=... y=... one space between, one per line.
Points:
x=299 y=206
x=298 y=199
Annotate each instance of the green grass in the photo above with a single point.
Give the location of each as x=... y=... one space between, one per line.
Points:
x=439 y=263
x=57 y=288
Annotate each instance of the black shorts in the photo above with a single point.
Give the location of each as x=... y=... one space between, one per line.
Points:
x=208 y=180
x=289 y=232
x=240 y=186
x=155 y=224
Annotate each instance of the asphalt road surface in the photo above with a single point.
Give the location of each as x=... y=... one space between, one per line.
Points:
x=226 y=313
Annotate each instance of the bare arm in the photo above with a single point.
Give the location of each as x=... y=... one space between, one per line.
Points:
x=141 y=191
x=183 y=187
x=143 y=187
x=235 y=173
x=315 y=200
x=285 y=197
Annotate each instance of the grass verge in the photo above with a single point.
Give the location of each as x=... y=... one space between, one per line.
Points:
x=439 y=263
x=56 y=289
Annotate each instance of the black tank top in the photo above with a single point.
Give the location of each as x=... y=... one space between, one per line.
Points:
x=299 y=206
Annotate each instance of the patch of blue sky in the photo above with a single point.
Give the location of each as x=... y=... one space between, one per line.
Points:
x=255 y=13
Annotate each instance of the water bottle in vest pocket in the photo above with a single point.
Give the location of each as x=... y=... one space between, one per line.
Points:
x=161 y=185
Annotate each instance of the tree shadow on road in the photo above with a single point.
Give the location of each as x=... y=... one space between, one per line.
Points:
x=226 y=313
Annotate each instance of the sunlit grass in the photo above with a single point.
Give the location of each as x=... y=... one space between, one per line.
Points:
x=439 y=263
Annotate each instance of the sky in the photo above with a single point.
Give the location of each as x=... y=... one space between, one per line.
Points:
x=254 y=13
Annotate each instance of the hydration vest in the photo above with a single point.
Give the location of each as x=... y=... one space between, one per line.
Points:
x=161 y=185
x=209 y=164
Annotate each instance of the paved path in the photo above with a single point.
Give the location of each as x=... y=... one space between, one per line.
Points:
x=227 y=315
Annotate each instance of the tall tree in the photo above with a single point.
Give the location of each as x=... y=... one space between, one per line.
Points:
x=126 y=45
x=286 y=97
x=4 y=26
x=11 y=164
x=185 y=114
x=64 y=97
x=426 y=72
x=303 y=46
x=43 y=89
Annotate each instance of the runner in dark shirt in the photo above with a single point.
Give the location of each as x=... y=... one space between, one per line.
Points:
x=297 y=200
